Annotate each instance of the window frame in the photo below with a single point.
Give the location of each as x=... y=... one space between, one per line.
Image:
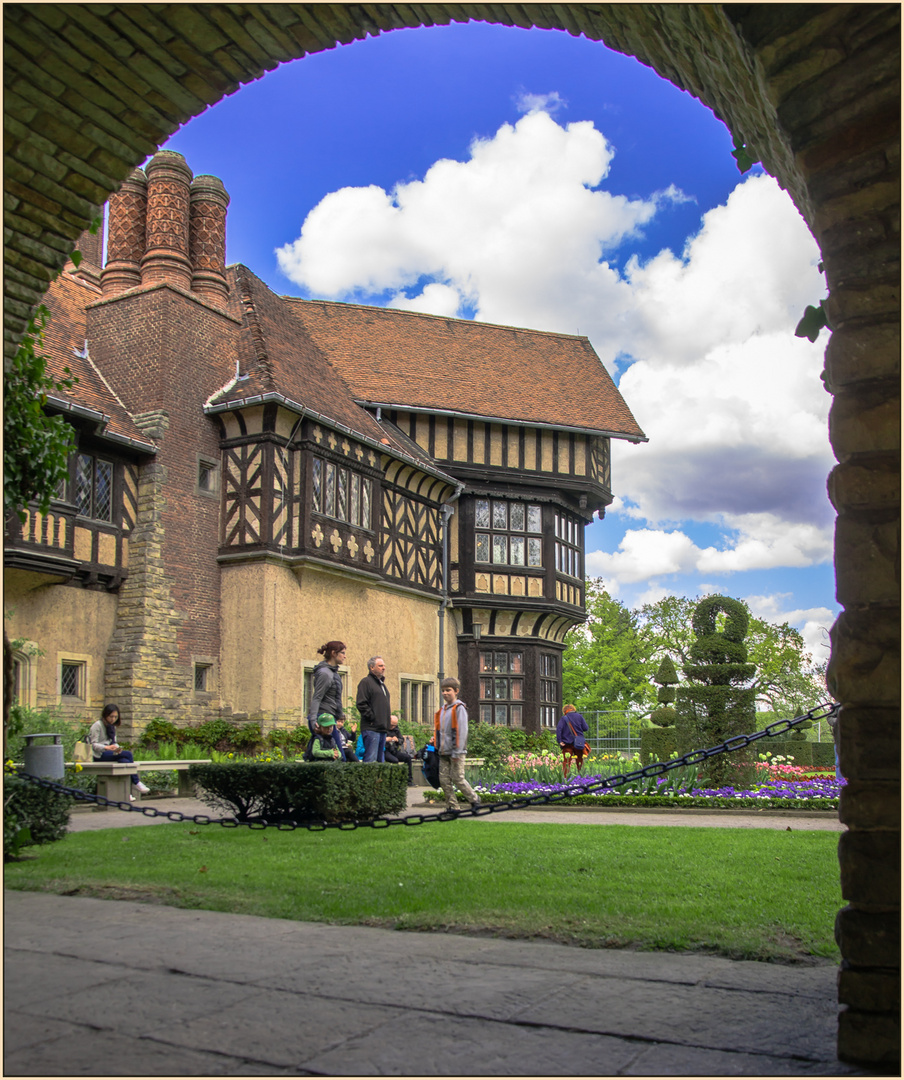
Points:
x=335 y=487
x=502 y=539
x=506 y=709
x=73 y=486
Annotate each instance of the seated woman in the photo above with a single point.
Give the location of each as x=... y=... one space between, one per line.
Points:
x=102 y=737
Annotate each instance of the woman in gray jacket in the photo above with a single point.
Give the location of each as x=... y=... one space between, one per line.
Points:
x=326 y=693
x=104 y=747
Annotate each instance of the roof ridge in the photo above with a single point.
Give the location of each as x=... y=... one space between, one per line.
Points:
x=440 y=318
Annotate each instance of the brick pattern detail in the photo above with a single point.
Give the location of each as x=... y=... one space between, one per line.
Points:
x=207 y=238
x=127 y=222
x=166 y=257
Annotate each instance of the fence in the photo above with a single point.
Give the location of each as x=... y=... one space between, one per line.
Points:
x=613 y=732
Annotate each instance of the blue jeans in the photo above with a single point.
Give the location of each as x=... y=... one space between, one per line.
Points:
x=374 y=745
x=121 y=755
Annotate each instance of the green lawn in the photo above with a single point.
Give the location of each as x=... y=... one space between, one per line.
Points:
x=743 y=893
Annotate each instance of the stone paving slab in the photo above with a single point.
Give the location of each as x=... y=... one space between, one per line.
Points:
x=114 y=988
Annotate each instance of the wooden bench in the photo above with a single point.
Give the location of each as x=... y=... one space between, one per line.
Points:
x=113 y=776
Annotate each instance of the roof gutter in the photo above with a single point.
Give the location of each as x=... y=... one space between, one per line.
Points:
x=364 y=403
x=304 y=411
x=102 y=420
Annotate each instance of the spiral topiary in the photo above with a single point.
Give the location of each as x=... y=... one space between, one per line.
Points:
x=666 y=677
x=716 y=704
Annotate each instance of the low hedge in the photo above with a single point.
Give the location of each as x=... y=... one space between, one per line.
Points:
x=715 y=802
x=32 y=815
x=302 y=791
x=657 y=744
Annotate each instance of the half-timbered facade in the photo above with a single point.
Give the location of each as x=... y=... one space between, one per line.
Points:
x=256 y=475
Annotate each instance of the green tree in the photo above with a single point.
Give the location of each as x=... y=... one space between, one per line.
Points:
x=36 y=447
x=787 y=681
x=607 y=662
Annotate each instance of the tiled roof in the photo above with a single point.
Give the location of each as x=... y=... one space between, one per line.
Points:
x=64 y=346
x=428 y=362
x=278 y=357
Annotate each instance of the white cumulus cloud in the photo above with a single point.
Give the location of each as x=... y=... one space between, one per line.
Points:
x=525 y=232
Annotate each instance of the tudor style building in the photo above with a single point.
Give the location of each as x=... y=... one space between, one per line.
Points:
x=257 y=474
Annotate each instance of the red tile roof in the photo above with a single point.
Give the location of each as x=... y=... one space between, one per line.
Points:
x=278 y=357
x=428 y=362
x=65 y=338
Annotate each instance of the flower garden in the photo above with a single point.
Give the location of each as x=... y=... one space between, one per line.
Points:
x=771 y=783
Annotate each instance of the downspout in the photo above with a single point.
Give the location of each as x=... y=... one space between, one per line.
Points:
x=447 y=510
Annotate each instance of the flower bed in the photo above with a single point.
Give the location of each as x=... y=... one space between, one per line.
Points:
x=782 y=787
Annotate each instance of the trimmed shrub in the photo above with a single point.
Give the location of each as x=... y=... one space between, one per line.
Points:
x=716 y=704
x=657 y=744
x=309 y=791
x=32 y=815
x=487 y=741
x=804 y=753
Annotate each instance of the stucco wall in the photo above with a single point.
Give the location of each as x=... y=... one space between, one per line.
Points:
x=274 y=619
x=65 y=624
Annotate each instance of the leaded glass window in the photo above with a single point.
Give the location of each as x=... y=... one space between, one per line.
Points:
x=340 y=493
x=94 y=487
x=502 y=531
x=568 y=545
x=501 y=686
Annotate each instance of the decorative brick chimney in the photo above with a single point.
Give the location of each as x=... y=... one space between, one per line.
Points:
x=166 y=227
x=207 y=239
x=126 y=241
x=166 y=252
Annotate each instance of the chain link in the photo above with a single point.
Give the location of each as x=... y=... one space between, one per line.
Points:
x=659 y=768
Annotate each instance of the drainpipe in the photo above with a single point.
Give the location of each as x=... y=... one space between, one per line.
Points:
x=448 y=510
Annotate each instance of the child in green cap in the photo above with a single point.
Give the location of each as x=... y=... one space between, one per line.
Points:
x=321 y=747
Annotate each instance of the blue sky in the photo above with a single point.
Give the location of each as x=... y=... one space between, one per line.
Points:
x=530 y=178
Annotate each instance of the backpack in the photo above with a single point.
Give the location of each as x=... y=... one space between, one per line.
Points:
x=430 y=765
x=430 y=755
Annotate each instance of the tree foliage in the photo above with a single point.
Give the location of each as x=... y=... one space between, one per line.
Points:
x=36 y=447
x=786 y=681
x=607 y=660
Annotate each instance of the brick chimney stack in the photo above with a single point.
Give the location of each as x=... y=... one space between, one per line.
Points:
x=166 y=227
x=207 y=239
x=166 y=252
x=125 y=244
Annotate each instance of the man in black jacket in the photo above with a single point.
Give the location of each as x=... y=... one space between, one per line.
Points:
x=373 y=705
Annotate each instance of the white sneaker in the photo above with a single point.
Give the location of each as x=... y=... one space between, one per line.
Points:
x=131 y=798
x=142 y=789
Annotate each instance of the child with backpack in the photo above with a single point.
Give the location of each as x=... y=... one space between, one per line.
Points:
x=451 y=741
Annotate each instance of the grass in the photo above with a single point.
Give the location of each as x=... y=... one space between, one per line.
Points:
x=755 y=894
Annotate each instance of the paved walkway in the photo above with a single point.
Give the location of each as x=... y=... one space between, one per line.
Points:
x=86 y=817
x=118 y=988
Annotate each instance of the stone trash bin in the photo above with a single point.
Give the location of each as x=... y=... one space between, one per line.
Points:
x=45 y=760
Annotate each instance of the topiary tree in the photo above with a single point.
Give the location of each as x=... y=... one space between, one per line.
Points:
x=667 y=678
x=718 y=701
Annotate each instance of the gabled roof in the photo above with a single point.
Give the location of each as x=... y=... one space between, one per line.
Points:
x=65 y=345
x=429 y=363
x=279 y=360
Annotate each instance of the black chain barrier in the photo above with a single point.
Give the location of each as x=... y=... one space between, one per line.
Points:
x=659 y=768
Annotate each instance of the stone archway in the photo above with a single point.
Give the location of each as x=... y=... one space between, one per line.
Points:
x=91 y=90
